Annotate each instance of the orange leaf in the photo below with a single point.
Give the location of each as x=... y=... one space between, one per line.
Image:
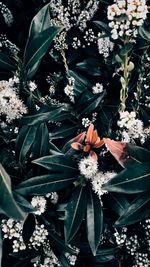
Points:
x=117 y=149
x=76 y=146
x=89 y=133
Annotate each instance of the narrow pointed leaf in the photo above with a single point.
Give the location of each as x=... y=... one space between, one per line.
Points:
x=118 y=203
x=28 y=228
x=137 y=211
x=8 y=204
x=94 y=220
x=75 y=213
x=25 y=141
x=135 y=179
x=41 y=143
x=58 y=163
x=6 y=63
x=41 y=185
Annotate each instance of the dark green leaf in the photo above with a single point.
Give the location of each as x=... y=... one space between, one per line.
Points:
x=41 y=185
x=75 y=212
x=25 y=205
x=28 y=228
x=103 y=26
x=58 y=163
x=63 y=131
x=6 y=63
x=118 y=203
x=126 y=49
x=90 y=66
x=0 y=247
x=137 y=211
x=94 y=220
x=8 y=204
x=135 y=179
x=56 y=240
x=93 y=103
x=25 y=140
x=136 y=154
x=144 y=33
x=38 y=47
x=41 y=144
x=58 y=114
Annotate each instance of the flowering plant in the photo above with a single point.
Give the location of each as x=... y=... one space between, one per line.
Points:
x=74 y=114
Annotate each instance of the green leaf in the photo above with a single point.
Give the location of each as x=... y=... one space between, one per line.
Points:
x=6 y=63
x=25 y=141
x=93 y=103
x=137 y=211
x=23 y=203
x=103 y=26
x=38 y=47
x=58 y=114
x=41 y=185
x=94 y=220
x=58 y=163
x=28 y=228
x=63 y=131
x=135 y=179
x=126 y=49
x=75 y=212
x=41 y=34
x=8 y=204
x=41 y=144
x=136 y=154
x=118 y=203
x=144 y=33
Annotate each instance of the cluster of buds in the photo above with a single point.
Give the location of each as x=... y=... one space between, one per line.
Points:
x=126 y=16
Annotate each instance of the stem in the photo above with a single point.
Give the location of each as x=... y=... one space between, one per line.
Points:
x=124 y=89
x=64 y=60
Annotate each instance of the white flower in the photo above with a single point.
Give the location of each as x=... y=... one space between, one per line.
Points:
x=104 y=44
x=7 y=14
x=10 y=104
x=69 y=89
x=99 y=179
x=53 y=196
x=88 y=167
x=86 y=122
x=32 y=86
x=97 y=88
x=39 y=203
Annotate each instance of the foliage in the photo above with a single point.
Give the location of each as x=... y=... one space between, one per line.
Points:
x=74 y=113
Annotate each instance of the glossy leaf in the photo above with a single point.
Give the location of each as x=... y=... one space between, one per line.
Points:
x=25 y=141
x=41 y=144
x=135 y=179
x=41 y=185
x=144 y=33
x=38 y=47
x=118 y=203
x=103 y=26
x=94 y=220
x=93 y=103
x=58 y=163
x=23 y=203
x=8 y=204
x=75 y=212
x=63 y=131
x=126 y=49
x=28 y=228
x=137 y=211
x=58 y=114
x=6 y=63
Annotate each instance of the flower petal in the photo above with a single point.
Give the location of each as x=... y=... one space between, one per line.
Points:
x=89 y=133
x=76 y=146
x=86 y=148
x=93 y=155
x=94 y=137
x=99 y=143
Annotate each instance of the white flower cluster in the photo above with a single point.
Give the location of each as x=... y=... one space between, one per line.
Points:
x=60 y=41
x=39 y=203
x=131 y=127
x=126 y=16
x=53 y=197
x=5 y=43
x=99 y=180
x=86 y=122
x=13 y=230
x=104 y=45
x=69 y=89
x=97 y=88
x=39 y=236
x=32 y=86
x=49 y=259
x=72 y=14
x=72 y=258
x=7 y=14
x=120 y=238
x=76 y=43
x=88 y=167
x=10 y=104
